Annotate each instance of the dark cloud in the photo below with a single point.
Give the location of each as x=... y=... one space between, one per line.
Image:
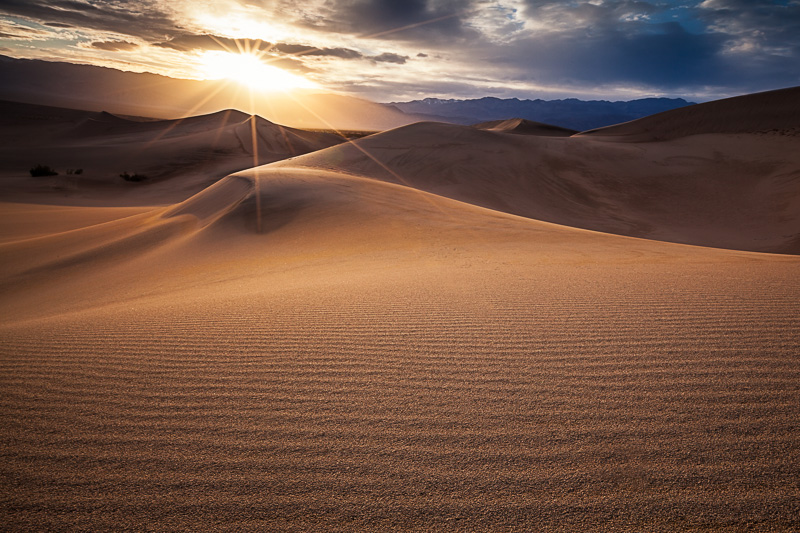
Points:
x=114 y=46
x=187 y=42
x=127 y=18
x=388 y=57
x=299 y=49
x=58 y=25
x=422 y=55
x=405 y=20
x=733 y=45
x=668 y=57
x=768 y=25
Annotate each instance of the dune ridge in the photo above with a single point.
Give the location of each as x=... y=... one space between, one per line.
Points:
x=727 y=190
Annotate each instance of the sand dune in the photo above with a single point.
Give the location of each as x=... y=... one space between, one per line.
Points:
x=770 y=113
x=198 y=150
x=523 y=126
x=722 y=190
x=318 y=344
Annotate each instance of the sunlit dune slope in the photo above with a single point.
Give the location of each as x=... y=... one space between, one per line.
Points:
x=773 y=113
x=260 y=221
x=523 y=126
x=735 y=191
x=296 y=349
x=200 y=149
x=257 y=223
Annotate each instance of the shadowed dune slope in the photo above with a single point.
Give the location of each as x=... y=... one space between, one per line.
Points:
x=296 y=349
x=199 y=149
x=523 y=126
x=721 y=190
x=773 y=112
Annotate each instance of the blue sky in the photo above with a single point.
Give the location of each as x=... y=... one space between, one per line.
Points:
x=397 y=50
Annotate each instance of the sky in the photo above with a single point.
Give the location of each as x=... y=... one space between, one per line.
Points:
x=397 y=50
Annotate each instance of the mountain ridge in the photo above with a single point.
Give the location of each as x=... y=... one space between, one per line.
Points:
x=570 y=113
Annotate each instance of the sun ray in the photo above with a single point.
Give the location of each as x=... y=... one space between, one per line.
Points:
x=189 y=113
x=377 y=161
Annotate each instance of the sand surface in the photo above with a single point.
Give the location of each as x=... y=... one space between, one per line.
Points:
x=311 y=346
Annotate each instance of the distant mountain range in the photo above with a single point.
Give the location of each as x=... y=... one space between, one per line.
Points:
x=570 y=113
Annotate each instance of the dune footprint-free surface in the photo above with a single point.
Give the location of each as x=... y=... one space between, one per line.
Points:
x=304 y=347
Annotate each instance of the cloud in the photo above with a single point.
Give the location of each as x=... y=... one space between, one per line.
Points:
x=114 y=46
x=388 y=57
x=18 y=32
x=666 y=56
x=756 y=27
x=301 y=49
x=186 y=42
x=403 y=20
x=134 y=18
x=731 y=45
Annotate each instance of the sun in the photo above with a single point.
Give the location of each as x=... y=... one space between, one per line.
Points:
x=249 y=70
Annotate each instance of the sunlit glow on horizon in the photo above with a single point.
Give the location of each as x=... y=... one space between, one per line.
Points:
x=249 y=70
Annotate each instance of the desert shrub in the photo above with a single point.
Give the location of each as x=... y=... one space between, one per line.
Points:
x=42 y=170
x=132 y=177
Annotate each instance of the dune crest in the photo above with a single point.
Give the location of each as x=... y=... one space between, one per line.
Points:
x=523 y=126
x=772 y=113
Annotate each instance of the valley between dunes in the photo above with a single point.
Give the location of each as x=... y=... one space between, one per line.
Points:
x=435 y=328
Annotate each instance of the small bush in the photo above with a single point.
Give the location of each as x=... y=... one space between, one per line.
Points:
x=79 y=171
x=42 y=170
x=132 y=177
